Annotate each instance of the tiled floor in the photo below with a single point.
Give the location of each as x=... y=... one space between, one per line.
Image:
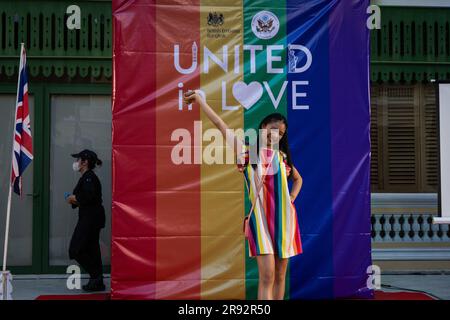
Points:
x=31 y=286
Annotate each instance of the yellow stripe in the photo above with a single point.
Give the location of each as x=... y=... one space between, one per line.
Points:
x=283 y=211
x=222 y=201
x=257 y=213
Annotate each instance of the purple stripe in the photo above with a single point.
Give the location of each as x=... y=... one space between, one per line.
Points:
x=350 y=134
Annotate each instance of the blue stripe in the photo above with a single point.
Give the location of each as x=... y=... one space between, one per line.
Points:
x=19 y=127
x=350 y=141
x=311 y=273
x=23 y=162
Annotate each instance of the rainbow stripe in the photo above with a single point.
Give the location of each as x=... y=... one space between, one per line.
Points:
x=274 y=219
x=177 y=229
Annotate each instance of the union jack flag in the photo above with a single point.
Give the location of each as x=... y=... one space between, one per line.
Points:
x=23 y=146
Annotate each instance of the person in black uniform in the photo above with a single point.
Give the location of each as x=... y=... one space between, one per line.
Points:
x=87 y=197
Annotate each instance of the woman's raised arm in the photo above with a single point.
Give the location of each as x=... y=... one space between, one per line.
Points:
x=230 y=137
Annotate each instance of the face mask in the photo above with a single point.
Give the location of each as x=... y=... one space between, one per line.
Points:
x=76 y=166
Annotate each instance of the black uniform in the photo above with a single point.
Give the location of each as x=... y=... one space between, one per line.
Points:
x=84 y=246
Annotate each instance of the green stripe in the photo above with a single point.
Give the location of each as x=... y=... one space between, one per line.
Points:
x=263 y=107
x=279 y=212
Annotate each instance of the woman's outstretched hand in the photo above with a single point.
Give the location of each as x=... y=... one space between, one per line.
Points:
x=195 y=96
x=192 y=96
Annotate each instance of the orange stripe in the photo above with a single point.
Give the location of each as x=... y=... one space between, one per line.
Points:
x=178 y=258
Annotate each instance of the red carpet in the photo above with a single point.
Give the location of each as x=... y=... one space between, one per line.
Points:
x=379 y=295
x=401 y=295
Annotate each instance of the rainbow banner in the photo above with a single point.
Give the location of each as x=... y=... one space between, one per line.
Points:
x=177 y=224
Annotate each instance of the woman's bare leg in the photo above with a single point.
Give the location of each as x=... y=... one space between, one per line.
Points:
x=266 y=269
x=280 y=278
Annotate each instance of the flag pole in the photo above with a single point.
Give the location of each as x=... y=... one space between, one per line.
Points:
x=8 y=213
x=8 y=210
x=5 y=247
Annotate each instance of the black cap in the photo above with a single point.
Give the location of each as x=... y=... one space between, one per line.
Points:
x=85 y=155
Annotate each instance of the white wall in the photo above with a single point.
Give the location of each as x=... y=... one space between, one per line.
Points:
x=444 y=128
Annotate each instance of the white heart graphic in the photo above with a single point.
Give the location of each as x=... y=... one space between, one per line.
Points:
x=247 y=94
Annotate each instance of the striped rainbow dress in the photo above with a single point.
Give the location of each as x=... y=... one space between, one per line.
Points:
x=273 y=224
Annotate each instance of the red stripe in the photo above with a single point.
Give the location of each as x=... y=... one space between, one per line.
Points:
x=133 y=153
x=25 y=105
x=271 y=206
x=27 y=142
x=22 y=113
x=17 y=138
x=297 y=238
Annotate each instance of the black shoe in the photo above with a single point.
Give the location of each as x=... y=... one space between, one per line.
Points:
x=94 y=285
x=86 y=286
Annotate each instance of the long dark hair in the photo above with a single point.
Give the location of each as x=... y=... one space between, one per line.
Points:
x=283 y=143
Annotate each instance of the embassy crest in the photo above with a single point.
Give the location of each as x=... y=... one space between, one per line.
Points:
x=265 y=25
x=215 y=19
